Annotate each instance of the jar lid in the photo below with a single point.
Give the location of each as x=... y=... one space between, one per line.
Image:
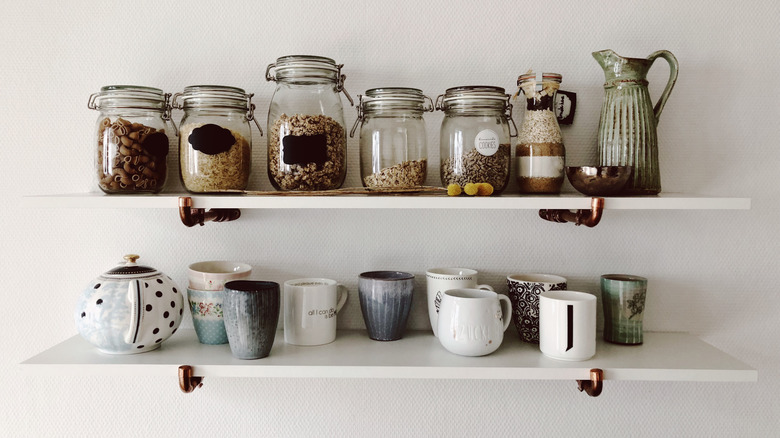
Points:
x=212 y=96
x=473 y=95
x=130 y=269
x=128 y=97
x=395 y=98
x=303 y=66
x=539 y=77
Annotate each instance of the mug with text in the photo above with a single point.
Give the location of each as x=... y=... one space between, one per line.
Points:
x=439 y=280
x=567 y=325
x=310 y=309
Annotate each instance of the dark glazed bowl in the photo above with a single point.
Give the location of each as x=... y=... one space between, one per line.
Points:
x=599 y=180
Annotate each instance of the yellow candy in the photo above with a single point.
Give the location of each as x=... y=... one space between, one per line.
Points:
x=471 y=189
x=484 y=189
x=453 y=190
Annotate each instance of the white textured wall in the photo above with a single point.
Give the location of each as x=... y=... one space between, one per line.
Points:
x=711 y=273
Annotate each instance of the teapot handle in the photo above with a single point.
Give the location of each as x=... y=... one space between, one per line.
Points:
x=673 y=67
x=135 y=300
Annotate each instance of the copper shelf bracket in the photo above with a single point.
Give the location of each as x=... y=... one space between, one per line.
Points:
x=589 y=218
x=197 y=216
x=188 y=382
x=593 y=386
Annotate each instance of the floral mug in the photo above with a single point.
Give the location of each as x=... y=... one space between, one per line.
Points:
x=206 y=310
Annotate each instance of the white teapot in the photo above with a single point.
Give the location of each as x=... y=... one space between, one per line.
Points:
x=129 y=309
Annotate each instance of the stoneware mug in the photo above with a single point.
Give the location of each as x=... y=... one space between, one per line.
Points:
x=567 y=325
x=439 y=280
x=385 y=300
x=472 y=321
x=524 y=290
x=310 y=309
x=623 y=301
x=251 y=313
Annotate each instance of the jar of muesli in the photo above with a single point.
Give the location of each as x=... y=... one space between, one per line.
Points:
x=215 y=139
x=540 y=154
x=475 y=136
x=132 y=147
x=392 y=137
x=307 y=139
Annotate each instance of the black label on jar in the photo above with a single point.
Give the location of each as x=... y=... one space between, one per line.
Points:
x=156 y=144
x=211 y=139
x=304 y=149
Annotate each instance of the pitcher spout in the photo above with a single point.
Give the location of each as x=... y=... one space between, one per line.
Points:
x=606 y=58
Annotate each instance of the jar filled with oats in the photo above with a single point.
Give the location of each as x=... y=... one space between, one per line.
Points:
x=307 y=139
x=393 y=151
x=475 y=136
x=540 y=154
x=215 y=139
x=131 y=144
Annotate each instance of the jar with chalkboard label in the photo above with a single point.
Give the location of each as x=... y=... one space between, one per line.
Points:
x=132 y=144
x=215 y=139
x=475 y=140
x=307 y=139
x=393 y=152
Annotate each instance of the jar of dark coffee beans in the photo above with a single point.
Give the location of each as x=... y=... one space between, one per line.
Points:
x=475 y=136
x=132 y=145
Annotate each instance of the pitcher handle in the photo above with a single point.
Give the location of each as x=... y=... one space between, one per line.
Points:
x=673 y=67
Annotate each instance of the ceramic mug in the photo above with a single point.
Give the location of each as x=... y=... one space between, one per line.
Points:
x=385 y=300
x=524 y=290
x=251 y=313
x=213 y=275
x=472 y=321
x=623 y=301
x=567 y=325
x=207 y=315
x=439 y=280
x=310 y=309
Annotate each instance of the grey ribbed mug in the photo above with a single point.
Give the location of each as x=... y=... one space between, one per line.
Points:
x=385 y=299
x=251 y=314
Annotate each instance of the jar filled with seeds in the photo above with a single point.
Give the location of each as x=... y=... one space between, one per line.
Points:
x=540 y=154
x=475 y=136
x=131 y=146
x=215 y=140
x=307 y=139
x=393 y=151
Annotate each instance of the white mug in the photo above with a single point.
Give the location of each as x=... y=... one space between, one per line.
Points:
x=472 y=321
x=567 y=325
x=310 y=309
x=439 y=280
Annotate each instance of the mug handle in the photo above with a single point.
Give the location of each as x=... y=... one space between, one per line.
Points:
x=343 y=295
x=506 y=309
x=485 y=287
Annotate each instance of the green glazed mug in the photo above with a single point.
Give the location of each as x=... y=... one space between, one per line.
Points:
x=623 y=300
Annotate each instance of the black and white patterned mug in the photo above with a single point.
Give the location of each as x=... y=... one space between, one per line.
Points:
x=524 y=290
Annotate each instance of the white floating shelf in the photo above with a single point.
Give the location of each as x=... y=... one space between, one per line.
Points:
x=664 y=201
x=662 y=357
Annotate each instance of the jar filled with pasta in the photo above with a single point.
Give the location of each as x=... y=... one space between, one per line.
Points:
x=131 y=145
x=215 y=140
x=393 y=151
x=307 y=139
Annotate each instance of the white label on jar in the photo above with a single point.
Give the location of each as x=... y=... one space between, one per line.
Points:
x=486 y=142
x=540 y=167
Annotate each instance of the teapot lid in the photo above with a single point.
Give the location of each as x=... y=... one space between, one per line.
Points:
x=130 y=269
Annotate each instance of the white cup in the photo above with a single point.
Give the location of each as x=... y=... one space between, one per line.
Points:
x=472 y=321
x=310 y=309
x=567 y=325
x=439 y=280
x=213 y=275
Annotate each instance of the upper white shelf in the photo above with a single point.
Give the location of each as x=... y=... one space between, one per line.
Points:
x=664 y=201
x=662 y=357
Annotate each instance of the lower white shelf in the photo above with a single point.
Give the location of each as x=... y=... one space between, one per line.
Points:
x=662 y=357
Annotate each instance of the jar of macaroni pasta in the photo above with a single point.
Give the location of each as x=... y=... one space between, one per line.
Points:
x=475 y=139
x=131 y=142
x=393 y=151
x=307 y=139
x=215 y=139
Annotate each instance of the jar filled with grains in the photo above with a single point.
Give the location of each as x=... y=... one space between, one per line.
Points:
x=392 y=137
x=307 y=139
x=540 y=154
x=132 y=147
x=475 y=136
x=215 y=140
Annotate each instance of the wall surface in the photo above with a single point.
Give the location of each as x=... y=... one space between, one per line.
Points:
x=713 y=274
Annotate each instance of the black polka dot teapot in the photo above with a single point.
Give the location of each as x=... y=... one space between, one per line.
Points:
x=129 y=309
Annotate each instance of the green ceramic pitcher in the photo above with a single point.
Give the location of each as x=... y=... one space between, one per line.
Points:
x=627 y=129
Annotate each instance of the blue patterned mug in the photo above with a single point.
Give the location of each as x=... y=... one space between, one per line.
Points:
x=207 y=315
